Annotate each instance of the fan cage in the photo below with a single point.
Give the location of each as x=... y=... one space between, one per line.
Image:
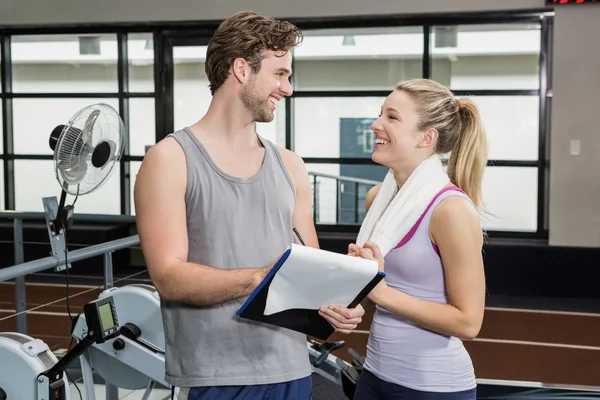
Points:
x=87 y=129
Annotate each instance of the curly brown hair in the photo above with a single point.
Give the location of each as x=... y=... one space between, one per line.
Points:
x=246 y=35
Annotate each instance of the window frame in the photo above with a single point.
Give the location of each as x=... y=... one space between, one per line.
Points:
x=167 y=34
x=544 y=18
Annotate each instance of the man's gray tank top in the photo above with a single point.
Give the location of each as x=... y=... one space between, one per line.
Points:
x=232 y=223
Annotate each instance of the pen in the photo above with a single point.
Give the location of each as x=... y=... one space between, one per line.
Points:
x=299 y=237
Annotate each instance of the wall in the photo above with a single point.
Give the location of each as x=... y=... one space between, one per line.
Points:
x=573 y=216
x=574 y=180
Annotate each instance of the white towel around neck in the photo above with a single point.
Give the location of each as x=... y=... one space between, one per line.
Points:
x=394 y=212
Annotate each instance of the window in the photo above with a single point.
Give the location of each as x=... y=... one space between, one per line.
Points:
x=31 y=133
x=486 y=57
x=190 y=88
x=498 y=66
x=64 y=63
x=512 y=126
x=340 y=190
x=510 y=196
x=357 y=59
x=1 y=186
x=140 y=53
x=35 y=179
x=1 y=131
x=142 y=125
x=334 y=127
x=134 y=167
x=55 y=76
x=342 y=76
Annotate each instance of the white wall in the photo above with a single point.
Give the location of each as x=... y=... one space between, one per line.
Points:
x=512 y=122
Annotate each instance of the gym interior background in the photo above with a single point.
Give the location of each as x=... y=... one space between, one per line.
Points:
x=531 y=66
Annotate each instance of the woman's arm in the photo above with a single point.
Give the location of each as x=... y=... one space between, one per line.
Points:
x=456 y=231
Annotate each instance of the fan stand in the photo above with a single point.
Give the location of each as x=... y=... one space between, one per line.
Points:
x=58 y=218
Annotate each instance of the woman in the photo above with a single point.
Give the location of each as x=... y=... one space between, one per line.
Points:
x=433 y=295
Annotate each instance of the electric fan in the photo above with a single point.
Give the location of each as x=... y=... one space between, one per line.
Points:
x=86 y=151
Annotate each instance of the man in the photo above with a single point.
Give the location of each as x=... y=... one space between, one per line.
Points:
x=216 y=205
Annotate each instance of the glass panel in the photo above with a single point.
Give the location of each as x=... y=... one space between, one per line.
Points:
x=510 y=196
x=140 y=51
x=337 y=200
x=274 y=130
x=35 y=179
x=1 y=130
x=1 y=184
x=142 y=125
x=335 y=126
x=134 y=167
x=358 y=59
x=64 y=63
x=342 y=126
x=512 y=125
x=32 y=138
x=190 y=87
x=487 y=57
x=509 y=193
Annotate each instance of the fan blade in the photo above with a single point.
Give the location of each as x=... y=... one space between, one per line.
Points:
x=74 y=171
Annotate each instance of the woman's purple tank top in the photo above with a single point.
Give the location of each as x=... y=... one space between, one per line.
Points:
x=400 y=352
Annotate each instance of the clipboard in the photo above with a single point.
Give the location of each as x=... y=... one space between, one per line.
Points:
x=302 y=280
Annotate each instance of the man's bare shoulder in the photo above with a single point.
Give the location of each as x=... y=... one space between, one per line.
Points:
x=294 y=164
x=168 y=149
x=163 y=165
x=290 y=158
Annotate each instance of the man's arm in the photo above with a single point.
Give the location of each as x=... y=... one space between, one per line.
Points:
x=302 y=218
x=159 y=195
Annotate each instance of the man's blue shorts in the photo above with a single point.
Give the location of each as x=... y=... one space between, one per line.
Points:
x=300 y=389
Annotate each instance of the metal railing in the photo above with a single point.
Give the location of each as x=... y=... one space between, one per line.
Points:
x=340 y=191
x=20 y=268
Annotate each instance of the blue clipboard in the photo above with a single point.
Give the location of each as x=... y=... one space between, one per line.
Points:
x=305 y=321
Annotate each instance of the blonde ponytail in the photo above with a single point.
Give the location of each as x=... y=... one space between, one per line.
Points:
x=469 y=154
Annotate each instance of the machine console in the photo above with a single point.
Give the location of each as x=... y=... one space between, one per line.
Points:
x=101 y=319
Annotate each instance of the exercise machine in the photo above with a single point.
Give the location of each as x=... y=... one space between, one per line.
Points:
x=30 y=371
x=126 y=352
x=334 y=368
x=136 y=358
